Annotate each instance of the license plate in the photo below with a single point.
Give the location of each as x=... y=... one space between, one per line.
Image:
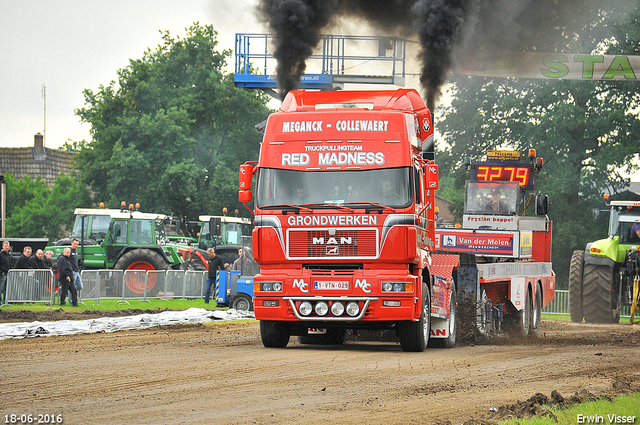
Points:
x=331 y=286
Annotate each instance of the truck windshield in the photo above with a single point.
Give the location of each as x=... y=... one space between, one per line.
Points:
x=99 y=226
x=389 y=186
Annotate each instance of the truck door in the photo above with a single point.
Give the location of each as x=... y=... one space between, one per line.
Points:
x=118 y=234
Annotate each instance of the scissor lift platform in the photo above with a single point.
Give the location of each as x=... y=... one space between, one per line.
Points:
x=330 y=68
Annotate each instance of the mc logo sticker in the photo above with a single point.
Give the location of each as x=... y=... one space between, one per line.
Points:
x=362 y=284
x=301 y=284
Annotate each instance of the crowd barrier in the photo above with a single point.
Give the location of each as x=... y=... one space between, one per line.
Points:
x=560 y=304
x=41 y=285
x=32 y=286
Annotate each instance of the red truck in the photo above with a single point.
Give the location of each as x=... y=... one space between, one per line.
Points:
x=344 y=221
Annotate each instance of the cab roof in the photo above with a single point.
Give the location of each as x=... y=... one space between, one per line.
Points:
x=401 y=100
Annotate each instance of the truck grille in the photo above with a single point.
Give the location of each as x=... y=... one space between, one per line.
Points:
x=343 y=244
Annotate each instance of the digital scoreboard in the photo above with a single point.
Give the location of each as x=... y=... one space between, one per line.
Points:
x=515 y=172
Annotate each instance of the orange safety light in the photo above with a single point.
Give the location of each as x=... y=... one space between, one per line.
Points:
x=606 y=196
x=436 y=209
x=123 y=204
x=137 y=205
x=629 y=207
x=131 y=207
x=224 y=211
x=532 y=153
x=458 y=225
x=101 y=204
x=236 y=212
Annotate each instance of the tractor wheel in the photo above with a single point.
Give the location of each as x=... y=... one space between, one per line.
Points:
x=274 y=334
x=597 y=294
x=414 y=336
x=332 y=337
x=575 y=286
x=142 y=259
x=449 y=341
x=242 y=302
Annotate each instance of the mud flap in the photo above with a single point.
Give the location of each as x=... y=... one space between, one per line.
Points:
x=469 y=311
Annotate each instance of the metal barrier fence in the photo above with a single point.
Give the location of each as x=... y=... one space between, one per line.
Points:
x=31 y=286
x=560 y=304
x=41 y=285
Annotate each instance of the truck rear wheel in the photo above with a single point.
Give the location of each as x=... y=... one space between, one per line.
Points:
x=141 y=259
x=575 y=286
x=449 y=341
x=519 y=322
x=274 y=334
x=598 y=294
x=536 y=318
x=414 y=336
x=332 y=337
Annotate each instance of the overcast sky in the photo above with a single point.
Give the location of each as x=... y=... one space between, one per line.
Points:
x=72 y=45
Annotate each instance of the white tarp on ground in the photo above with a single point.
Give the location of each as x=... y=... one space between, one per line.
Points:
x=112 y=324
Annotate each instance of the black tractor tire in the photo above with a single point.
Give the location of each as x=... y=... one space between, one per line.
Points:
x=597 y=294
x=450 y=341
x=242 y=302
x=575 y=287
x=414 y=336
x=142 y=259
x=332 y=337
x=274 y=334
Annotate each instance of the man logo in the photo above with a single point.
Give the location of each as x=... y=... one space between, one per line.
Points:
x=362 y=284
x=301 y=284
x=332 y=250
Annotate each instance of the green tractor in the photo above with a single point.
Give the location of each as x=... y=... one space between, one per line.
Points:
x=223 y=233
x=604 y=277
x=122 y=239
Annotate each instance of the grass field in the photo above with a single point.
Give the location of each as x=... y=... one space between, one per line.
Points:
x=113 y=305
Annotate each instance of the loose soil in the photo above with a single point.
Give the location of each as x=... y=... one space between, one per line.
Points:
x=221 y=373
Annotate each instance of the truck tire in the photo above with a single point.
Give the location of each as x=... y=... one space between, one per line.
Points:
x=142 y=259
x=575 y=286
x=536 y=318
x=242 y=302
x=414 y=336
x=332 y=337
x=449 y=341
x=597 y=294
x=518 y=322
x=274 y=334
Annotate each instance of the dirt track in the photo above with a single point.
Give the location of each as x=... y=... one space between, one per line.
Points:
x=220 y=373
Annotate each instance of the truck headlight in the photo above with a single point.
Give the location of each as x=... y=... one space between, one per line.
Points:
x=305 y=308
x=271 y=286
x=337 y=308
x=322 y=308
x=353 y=309
x=393 y=287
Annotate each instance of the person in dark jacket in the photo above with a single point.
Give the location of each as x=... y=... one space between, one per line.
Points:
x=65 y=276
x=37 y=261
x=47 y=259
x=23 y=260
x=5 y=265
x=214 y=264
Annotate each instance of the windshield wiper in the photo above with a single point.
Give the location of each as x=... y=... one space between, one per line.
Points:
x=328 y=205
x=371 y=205
x=287 y=207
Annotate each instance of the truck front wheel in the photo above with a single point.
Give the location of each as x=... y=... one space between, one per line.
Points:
x=414 y=336
x=598 y=294
x=274 y=334
x=575 y=286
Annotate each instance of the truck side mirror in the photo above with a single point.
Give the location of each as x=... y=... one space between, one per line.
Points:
x=246 y=174
x=542 y=204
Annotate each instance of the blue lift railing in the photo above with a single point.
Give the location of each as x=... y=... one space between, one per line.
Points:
x=338 y=59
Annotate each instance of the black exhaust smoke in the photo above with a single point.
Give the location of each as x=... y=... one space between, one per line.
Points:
x=443 y=27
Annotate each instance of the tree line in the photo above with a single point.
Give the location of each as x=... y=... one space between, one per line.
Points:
x=172 y=131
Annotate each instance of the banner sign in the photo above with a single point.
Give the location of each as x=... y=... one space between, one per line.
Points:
x=499 y=244
x=555 y=66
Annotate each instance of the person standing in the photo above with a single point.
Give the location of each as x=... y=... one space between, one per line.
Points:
x=37 y=261
x=65 y=276
x=214 y=264
x=23 y=260
x=77 y=263
x=47 y=259
x=5 y=265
